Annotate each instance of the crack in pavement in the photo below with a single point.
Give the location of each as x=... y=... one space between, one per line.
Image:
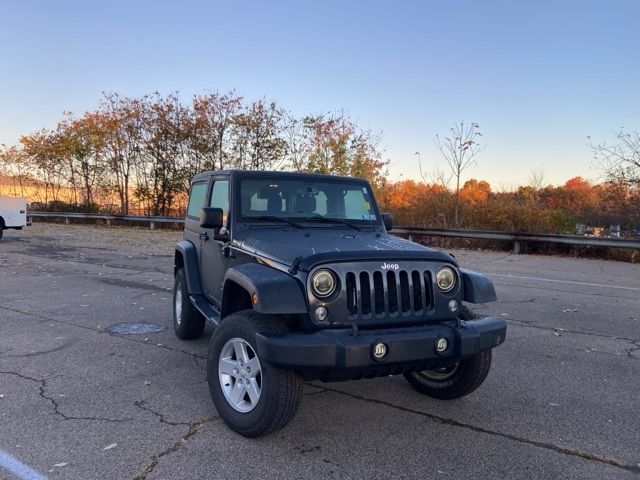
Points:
x=56 y=406
x=194 y=427
x=97 y=262
x=41 y=352
x=101 y=262
x=196 y=362
x=96 y=330
x=528 y=323
x=518 y=302
x=142 y=405
x=134 y=285
x=527 y=441
x=631 y=351
x=166 y=291
x=534 y=287
x=309 y=394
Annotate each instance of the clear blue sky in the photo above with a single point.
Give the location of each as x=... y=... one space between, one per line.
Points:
x=538 y=77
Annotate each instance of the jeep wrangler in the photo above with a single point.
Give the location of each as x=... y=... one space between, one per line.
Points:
x=301 y=280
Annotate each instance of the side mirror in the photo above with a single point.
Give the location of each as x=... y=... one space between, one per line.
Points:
x=211 y=217
x=387 y=219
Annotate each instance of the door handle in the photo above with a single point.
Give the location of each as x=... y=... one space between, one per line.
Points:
x=204 y=236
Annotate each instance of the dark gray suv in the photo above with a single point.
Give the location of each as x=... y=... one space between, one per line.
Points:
x=301 y=281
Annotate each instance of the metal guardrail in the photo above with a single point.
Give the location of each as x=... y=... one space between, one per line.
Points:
x=515 y=237
x=107 y=218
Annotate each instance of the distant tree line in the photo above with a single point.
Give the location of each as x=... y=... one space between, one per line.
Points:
x=530 y=208
x=442 y=200
x=137 y=155
x=142 y=152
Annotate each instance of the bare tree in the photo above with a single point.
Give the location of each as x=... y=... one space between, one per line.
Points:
x=460 y=149
x=537 y=179
x=436 y=176
x=620 y=162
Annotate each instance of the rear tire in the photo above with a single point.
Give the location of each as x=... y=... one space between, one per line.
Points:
x=188 y=323
x=457 y=380
x=1 y=232
x=271 y=398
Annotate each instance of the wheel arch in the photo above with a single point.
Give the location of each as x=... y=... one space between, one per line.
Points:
x=186 y=257
x=276 y=292
x=477 y=287
x=234 y=298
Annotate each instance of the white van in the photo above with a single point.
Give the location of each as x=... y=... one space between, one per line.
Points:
x=13 y=213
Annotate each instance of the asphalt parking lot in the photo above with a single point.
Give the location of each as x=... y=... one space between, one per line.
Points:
x=78 y=402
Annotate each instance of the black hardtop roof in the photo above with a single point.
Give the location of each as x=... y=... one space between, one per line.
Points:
x=266 y=173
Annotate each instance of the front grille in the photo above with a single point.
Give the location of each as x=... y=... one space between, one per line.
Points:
x=390 y=293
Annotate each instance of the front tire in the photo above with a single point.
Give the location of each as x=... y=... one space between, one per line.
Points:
x=188 y=323
x=453 y=381
x=253 y=397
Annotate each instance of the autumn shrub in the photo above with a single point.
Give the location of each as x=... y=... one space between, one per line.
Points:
x=546 y=210
x=69 y=207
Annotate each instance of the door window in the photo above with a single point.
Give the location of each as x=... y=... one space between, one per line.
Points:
x=220 y=198
x=196 y=199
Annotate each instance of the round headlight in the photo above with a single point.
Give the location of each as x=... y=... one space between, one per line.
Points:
x=446 y=279
x=323 y=283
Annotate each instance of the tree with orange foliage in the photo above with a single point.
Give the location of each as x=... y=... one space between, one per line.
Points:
x=475 y=191
x=336 y=146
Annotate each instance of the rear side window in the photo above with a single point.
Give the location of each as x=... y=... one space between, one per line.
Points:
x=196 y=199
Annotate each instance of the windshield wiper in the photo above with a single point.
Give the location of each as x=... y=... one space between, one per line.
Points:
x=331 y=220
x=273 y=217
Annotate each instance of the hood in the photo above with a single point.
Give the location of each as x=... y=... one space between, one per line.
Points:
x=319 y=245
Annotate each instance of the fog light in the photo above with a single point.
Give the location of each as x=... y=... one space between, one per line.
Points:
x=453 y=306
x=441 y=345
x=321 y=314
x=379 y=350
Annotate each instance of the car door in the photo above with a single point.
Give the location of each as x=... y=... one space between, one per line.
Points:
x=197 y=197
x=213 y=261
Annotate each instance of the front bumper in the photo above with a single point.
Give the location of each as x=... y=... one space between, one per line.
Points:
x=343 y=355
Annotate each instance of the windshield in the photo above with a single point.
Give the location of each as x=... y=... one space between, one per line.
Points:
x=306 y=199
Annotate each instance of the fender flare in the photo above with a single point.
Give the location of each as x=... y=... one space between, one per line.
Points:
x=278 y=292
x=187 y=251
x=477 y=287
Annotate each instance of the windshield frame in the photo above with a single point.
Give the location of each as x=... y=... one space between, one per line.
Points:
x=303 y=220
